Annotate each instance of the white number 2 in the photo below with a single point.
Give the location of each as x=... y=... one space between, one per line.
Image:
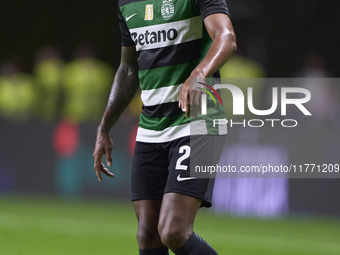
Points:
x=186 y=150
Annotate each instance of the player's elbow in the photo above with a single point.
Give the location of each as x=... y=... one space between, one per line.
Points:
x=226 y=40
x=230 y=38
x=128 y=70
x=233 y=43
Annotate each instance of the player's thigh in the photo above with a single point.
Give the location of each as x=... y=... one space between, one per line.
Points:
x=179 y=208
x=147 y=212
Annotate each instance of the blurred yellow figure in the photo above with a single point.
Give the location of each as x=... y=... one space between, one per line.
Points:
x=48 y=74
x=86 y=84
x=242 y=67
x=17 y=93
x=136 y=105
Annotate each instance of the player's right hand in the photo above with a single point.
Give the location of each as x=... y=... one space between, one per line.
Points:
x=103 y=146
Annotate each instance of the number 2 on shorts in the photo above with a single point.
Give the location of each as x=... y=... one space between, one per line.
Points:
x=186 y=150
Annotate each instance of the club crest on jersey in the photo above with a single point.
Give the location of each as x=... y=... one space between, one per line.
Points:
x=167 y=9
x=148 y=12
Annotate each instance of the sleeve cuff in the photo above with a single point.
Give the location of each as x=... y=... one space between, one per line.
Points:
x=213 y=11
x=127 y=43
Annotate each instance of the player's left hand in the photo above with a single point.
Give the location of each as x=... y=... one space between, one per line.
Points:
x=189 y=97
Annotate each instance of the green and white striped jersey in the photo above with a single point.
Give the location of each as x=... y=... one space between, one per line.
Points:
x=170 y=40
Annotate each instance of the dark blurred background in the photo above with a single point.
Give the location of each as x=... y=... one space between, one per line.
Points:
x=57 y=62
x=278 y=34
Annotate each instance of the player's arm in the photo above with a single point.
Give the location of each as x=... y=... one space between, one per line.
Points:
x=222 y=33
x=124 y=88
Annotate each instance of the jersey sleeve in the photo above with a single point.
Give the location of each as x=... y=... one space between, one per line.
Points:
x=208 y=7
x=124 y=30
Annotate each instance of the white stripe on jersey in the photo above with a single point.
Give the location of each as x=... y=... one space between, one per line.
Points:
x=160 y=96
x=171 y=133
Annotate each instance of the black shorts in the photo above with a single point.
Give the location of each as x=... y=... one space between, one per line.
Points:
x=160 y=168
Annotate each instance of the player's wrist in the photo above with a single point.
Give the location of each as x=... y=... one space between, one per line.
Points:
x=101 y=129
x=198 y=73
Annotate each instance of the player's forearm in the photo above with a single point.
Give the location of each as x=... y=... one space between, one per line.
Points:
x=223 y=46
x=122 y=92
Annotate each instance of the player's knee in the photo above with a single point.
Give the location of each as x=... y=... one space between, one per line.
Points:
x=172 y=236
x=147 y=237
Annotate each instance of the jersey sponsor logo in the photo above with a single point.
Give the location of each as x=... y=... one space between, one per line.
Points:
x=153 y=37
x=182 y=179
x=167 y=34
x=148 y=12
x=128 y=18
